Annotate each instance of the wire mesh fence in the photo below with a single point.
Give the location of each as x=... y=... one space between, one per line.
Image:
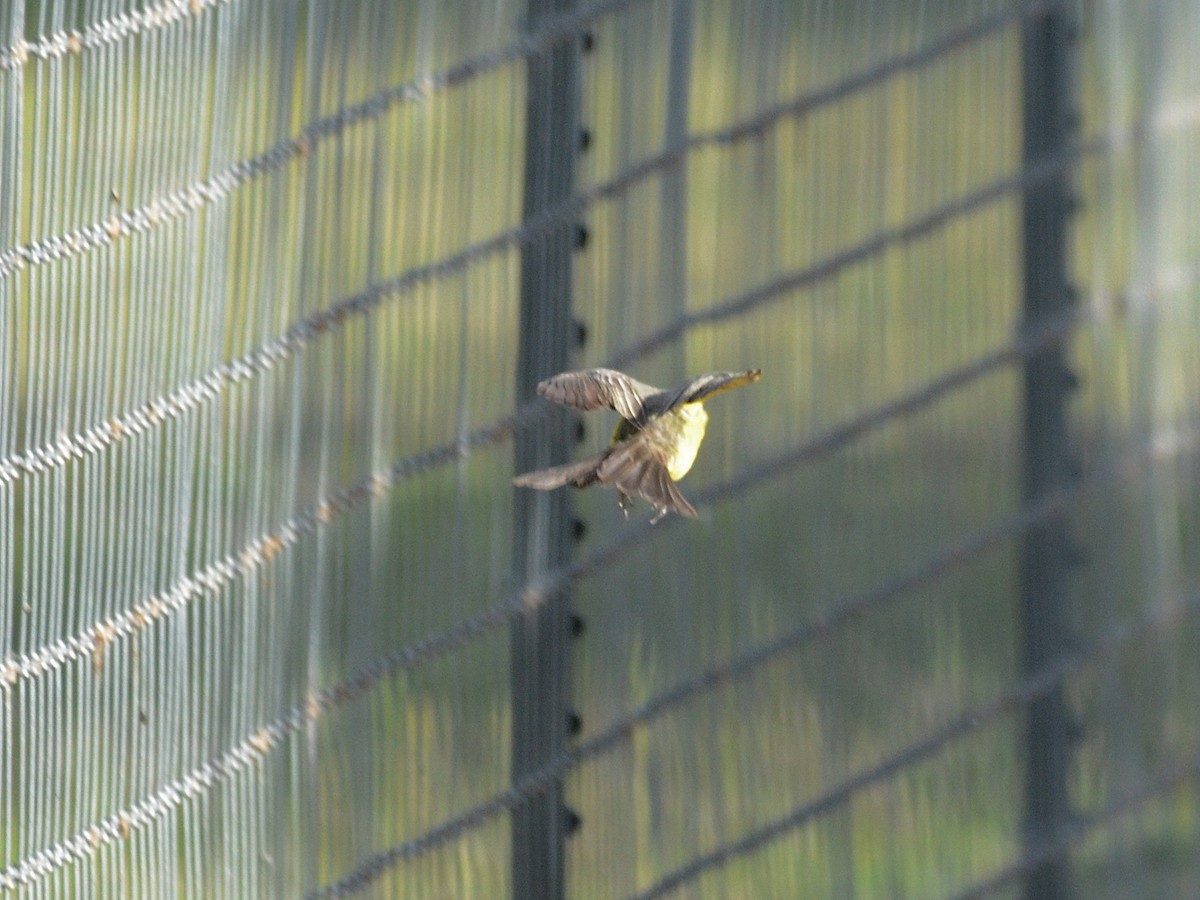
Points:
x=276 y=280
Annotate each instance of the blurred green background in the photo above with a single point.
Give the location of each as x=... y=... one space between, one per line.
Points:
x=183 y=201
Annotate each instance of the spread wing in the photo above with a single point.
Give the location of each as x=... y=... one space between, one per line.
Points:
x=581 y=474
x=699 y=388
x=635 y=469
x=596 y=388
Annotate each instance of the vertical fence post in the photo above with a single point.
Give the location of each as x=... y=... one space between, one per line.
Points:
x=541 y=536
x=1050 y=126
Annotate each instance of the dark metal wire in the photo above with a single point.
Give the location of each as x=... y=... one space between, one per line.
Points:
x=820 y=627
x=77 y=646
x=1108 y=645
x=533 y=595
x=300 y=334
x=1133 y=797
x=551 y=31
x=434 y=646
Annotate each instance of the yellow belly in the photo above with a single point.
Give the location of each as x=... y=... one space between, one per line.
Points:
x=690 y=420
x=674 y=436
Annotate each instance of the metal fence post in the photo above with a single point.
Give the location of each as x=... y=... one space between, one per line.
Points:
x=542 y=532
x=1050 y=130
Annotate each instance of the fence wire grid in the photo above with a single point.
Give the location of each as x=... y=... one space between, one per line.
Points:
x=273 y=617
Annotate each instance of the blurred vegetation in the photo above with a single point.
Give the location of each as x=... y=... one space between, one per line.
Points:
x=434 y=361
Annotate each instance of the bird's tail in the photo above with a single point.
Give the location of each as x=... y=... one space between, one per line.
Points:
x=636 y=472
x=580 y=474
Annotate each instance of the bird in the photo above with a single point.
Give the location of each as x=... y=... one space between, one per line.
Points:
x=655 y=441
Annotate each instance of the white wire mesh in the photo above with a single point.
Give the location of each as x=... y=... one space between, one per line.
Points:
x=258 y=269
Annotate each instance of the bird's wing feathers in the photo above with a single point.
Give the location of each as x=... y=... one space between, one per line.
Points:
x=594 y=388
x=581 y=474
x=633 y=468
x=699 y=388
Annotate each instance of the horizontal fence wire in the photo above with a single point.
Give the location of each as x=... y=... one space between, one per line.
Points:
x=837 y=616
x=297 y=336
x=82 y=646
x=37 y=663
x=1111 y=643
x=121 y=27
x=266 y=546
x=141 y=615
x=551 y=32
x=264 y=739
x=1127 y=800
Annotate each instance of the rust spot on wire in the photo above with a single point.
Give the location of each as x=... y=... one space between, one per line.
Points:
x=100 y=641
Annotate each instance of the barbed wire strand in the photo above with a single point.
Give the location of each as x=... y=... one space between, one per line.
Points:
x=257 y=745
x=293 y=340
x=302 y=333
x=327 y=510
x=552 y=31
x=878 y=242
x=266 y=546
x=262 y=359
x=1167 y=121
x=1167 y=780
x=1036 y=685
x=105 y=634
x=824 y=624
x=140 y=616
x=361 y=492
x=115 y=29
x=263 y=548
x=529 y=597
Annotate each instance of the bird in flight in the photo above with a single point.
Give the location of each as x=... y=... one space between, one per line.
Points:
x=655 y=441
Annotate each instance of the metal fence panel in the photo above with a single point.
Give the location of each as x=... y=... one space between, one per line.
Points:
x=266 y=368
